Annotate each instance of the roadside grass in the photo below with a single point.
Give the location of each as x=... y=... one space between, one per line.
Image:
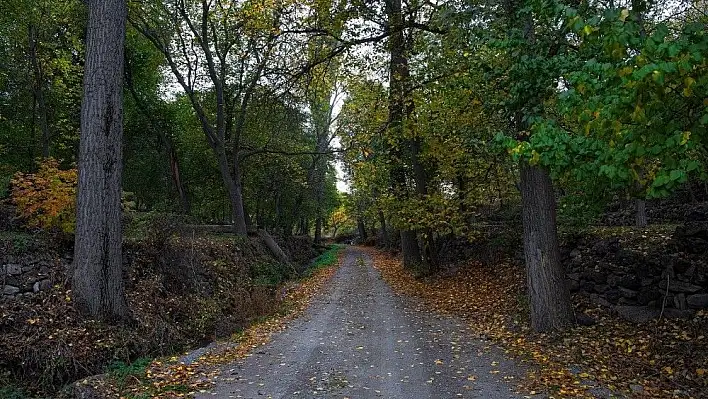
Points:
x=326 y=259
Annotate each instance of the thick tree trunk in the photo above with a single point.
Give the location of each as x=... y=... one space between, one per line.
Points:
x=549 y=297
x=398 y=74
x=641 y=215
x=97 y=279
x=410 y=249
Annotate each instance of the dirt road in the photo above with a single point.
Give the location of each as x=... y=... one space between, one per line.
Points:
x=361 y=340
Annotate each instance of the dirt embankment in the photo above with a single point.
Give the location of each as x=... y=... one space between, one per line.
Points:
x=182 y=291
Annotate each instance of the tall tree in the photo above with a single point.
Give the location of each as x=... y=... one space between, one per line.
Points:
x=97 y=280
x=534 y=67
x=400 y=106
x=225 y=47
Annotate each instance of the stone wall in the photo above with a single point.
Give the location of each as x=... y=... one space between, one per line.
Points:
x=24 y=278
x=27 y=267
x=671 y=273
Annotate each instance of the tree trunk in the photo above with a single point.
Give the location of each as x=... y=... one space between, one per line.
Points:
x=177 y=178
x=429 y=247
x=641 y=215
x=143 y=107
x=549 y=297
x=233 y=188
x=410 y=249
x=398 y=73
x=362 y=229
x=318 y=229
x=39 y=90
x=275 y=249
x=97 y=283
x=383 y=231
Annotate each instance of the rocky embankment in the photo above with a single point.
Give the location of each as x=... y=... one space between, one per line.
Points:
x=640 y=274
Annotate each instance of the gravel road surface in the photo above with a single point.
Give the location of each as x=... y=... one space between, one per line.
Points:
x=359 y=339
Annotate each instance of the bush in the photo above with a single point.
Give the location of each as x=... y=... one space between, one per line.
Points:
x=4 y=185
x=268 y=273
x=47 y=199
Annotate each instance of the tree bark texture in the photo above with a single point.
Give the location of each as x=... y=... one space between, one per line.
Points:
x=362 y=229
x=38 y=90
x=641 y=215
x=97 y=279
x=383 y=232
x=549 y=297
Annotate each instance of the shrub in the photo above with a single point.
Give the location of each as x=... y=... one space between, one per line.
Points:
x=47 y=199
x=4 y=185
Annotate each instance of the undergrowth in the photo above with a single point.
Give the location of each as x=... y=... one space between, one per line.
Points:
x=183 y=291
x=11 y=392
x=326 y=259
x=122 y=374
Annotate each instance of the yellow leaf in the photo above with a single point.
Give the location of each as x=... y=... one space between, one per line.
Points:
x=624 y=14
x=685 y=136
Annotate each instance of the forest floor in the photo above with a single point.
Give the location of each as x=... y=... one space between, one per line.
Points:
x=613 y=358
x=360 y=339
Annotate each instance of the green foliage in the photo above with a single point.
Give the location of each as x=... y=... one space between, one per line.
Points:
x=326 y=259
x=55 y=71
x=124 y=374
x=18 y=243
x=21 y=243
x=577 y=209
x=268 y=273
x=155 y=227
x=631 y=116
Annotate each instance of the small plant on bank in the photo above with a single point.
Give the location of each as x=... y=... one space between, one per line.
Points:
x=326 y=259
x=125 y=374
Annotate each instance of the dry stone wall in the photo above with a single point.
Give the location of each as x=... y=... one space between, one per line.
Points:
x=672 y=277
x=25 y=275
